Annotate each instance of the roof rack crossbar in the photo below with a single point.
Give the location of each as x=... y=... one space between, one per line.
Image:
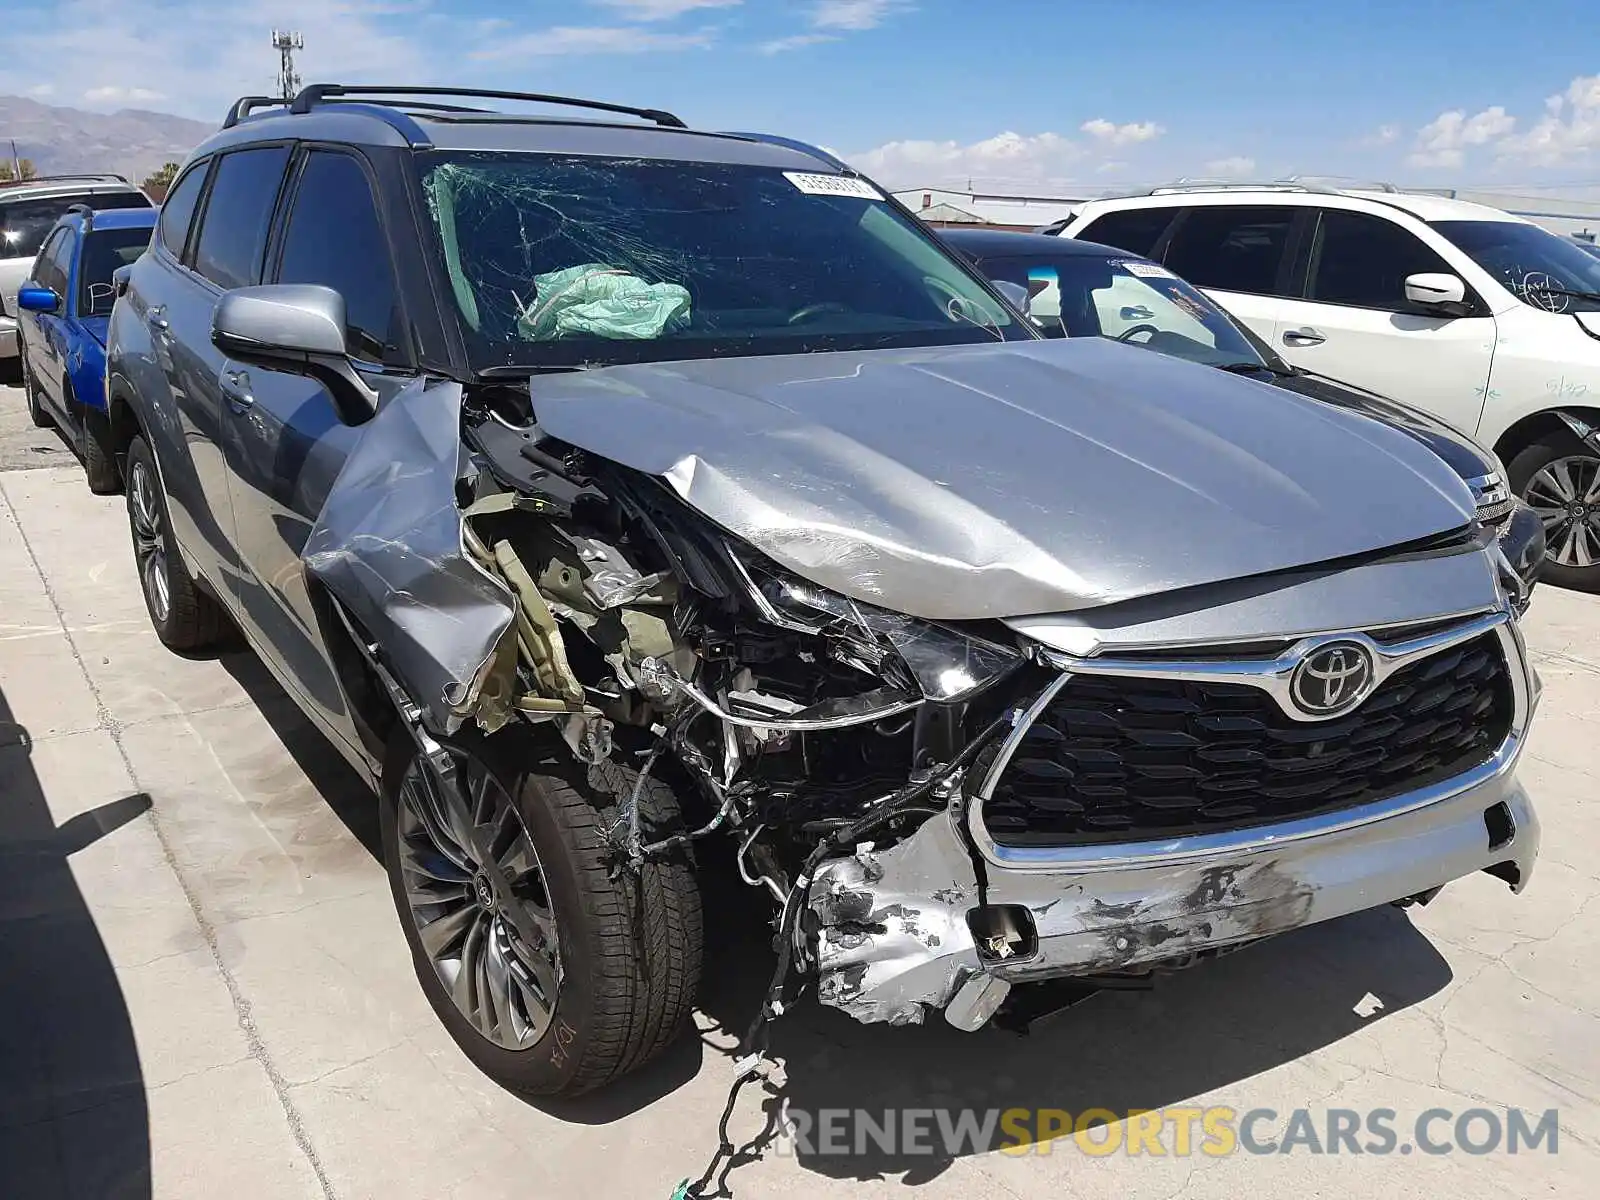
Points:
x=417 y=105
x=316 y=93
x=245 y=105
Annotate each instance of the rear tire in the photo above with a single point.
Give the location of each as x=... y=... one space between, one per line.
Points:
x=1560 y=478
x=30 y=391
x=628 y=944
x=185 y=618
x=99 y=462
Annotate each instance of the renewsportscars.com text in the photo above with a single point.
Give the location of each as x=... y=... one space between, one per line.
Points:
x=1179 y=1131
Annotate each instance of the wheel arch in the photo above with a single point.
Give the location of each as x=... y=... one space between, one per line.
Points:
x=1569 y=421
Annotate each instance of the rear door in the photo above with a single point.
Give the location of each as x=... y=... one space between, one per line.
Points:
x=285 y=437
x=1242 y=255
x=1356 y=325
x=34 y=328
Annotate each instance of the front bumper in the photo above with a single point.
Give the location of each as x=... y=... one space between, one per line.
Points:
x=894 y=934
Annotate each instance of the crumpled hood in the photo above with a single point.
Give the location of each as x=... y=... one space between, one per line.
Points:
x=1008 y=479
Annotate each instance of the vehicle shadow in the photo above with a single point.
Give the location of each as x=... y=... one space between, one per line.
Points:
x=73 y=1115
x=1196 y=1032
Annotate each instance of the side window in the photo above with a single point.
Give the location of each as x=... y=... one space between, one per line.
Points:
x=1363 y=260
x=178 y=211
x=61 y=262
x=1235 y=249
x=43 y=266
x=1136 y=230
x=334 y=238
x=233 y=228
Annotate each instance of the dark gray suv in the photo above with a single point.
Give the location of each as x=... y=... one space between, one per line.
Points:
x=610 y=492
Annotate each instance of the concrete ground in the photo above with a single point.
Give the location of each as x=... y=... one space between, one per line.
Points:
x=206 y=992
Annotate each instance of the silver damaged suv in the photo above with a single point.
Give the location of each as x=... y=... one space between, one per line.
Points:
x=629 y=502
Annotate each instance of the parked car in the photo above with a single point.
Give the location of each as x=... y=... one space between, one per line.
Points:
x=1588 y=248
x=29 y=209
x=64 y=308
x=609 y=492
x=1472 y=314
x=1073 y=288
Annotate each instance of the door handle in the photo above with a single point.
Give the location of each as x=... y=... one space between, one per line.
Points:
x=236 y=390
x=1302 y=337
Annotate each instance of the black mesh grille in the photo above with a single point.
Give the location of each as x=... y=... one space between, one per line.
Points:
x=1115 y=758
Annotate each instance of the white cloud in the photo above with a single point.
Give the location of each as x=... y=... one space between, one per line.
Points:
x=591 y=39
x=1235 y=167
x=855 y=14
x=798 y=41
x=112 y=94
x=1569 y=131
x=1007 y=160
x=1130 y=134
x=1443 y=141
x=660 y=10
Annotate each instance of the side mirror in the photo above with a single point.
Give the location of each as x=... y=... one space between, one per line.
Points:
x=1438 y=290
x=299 y=328
x=1014 y=292
x=119 y=279
x=32 y=297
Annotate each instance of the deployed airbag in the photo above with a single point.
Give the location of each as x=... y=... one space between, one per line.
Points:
x=594 y=300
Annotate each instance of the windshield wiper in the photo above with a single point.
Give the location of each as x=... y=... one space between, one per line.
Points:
x=523 y=371
x=1249 y=368
x=1555 y=291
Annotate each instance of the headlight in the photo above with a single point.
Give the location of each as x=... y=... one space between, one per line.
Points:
x=944 y=664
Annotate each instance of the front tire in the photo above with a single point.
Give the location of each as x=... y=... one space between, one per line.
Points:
x=566 y=969
x=185 y=618
x=1560 y=479
x=30 y=391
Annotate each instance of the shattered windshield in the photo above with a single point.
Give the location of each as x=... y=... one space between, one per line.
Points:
x=1127 y=299
x=556 y=260
x=1534 y=264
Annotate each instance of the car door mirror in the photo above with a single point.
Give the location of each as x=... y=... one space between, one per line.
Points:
x=299 y=328
x=1014 y=292
x=32 y=297
x=1438 y=290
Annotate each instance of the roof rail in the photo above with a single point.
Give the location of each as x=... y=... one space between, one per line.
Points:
x=1344 y=182
x=317 y=93
x=245 y=105
x=105 y=177
x=773 y=139
x=86 y=212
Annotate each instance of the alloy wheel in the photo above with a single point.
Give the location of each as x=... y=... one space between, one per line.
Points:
x=149 y=541
x=478 y=899
x=1566 y=495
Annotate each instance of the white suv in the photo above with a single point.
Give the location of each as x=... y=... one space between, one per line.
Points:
x=1482 y=318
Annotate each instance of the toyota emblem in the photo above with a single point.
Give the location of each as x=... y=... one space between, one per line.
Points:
x=1332 y=679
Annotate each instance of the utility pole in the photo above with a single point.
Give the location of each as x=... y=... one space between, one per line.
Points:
x=286 y=43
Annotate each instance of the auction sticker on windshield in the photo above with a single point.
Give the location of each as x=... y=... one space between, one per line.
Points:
x=832 y=185
x=1143 y=270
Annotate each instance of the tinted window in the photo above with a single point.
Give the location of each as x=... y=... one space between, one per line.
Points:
x=233 y=231
x=103 y=253
x=43 y=272
x=1136 y=230
x=334 y=239
x=1363 y=260
x=1236 y=249
x=24 y=223
x=61 y=252
x=178 y=211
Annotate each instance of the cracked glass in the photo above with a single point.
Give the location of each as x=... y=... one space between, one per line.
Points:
x=575 y=261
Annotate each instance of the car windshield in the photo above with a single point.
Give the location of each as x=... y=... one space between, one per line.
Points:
x=1127 y=299
x=24 y=223
x=568 y=261
x=103 y=252
x=1534 y=264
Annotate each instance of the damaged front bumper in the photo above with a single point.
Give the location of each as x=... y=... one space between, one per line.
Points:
x=904 y=930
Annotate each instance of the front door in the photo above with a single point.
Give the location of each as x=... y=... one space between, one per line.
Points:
x=1356 y=325
x=286 y=439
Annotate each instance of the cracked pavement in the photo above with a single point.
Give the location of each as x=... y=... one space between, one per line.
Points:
x=207 y=991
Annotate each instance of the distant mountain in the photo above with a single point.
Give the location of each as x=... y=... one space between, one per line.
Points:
x=130 y=142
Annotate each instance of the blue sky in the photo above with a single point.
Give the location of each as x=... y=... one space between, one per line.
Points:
x=1013 y=94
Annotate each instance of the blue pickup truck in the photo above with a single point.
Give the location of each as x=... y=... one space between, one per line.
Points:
x=64 y=308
